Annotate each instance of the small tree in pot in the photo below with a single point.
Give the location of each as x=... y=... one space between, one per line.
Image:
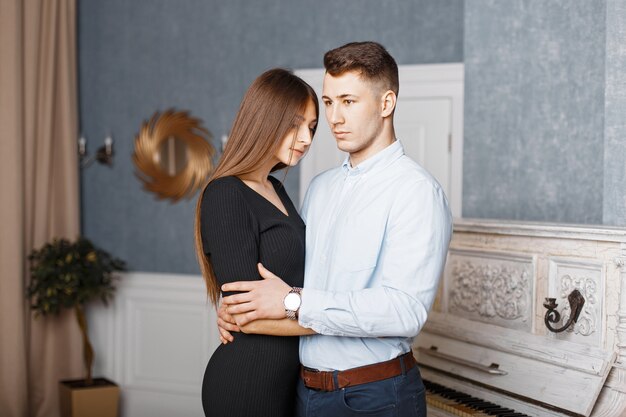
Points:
x=68 y=275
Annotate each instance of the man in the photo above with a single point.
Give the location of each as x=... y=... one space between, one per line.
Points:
x=378 y=230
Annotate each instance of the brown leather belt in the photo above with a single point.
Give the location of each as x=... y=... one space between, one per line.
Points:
x=324 y=381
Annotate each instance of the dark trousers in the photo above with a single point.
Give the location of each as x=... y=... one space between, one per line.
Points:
x=401 y=396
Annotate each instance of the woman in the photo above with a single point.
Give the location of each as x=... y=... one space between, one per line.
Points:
x=244 y=217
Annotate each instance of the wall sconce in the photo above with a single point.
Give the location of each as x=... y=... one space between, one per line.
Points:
x=104 y=154
x=576 y=302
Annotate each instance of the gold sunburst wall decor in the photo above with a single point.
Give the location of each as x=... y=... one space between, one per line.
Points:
x=173 y=154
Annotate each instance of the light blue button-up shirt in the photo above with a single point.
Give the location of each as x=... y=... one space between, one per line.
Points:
x=376 y=243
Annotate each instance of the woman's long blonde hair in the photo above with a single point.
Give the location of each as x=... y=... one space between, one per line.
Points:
x=266 y=115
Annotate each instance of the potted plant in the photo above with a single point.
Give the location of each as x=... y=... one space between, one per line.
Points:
x=68 y=275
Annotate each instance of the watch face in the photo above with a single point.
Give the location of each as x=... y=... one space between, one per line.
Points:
x=292 y=301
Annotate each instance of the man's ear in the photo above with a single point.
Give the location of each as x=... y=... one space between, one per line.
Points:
x=388 y=103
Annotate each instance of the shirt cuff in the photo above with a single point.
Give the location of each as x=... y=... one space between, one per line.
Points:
x=311 y=312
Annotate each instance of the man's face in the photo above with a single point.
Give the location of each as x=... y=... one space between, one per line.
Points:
x=353 y=111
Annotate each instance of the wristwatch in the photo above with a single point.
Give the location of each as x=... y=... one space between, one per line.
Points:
x=292 y=303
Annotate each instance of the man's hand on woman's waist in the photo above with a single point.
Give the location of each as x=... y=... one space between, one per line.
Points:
x=258 y=299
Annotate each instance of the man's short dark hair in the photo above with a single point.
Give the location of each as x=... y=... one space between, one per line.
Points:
x=370 y=59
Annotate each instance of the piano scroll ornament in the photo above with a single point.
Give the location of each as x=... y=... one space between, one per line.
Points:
x=576 y=302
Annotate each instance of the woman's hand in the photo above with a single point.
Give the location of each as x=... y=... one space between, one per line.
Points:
x=226 y=324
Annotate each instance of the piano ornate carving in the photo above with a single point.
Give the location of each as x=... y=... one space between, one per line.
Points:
x=493 y=288
x=486 y=343
x=588 y=278
x=586 y=323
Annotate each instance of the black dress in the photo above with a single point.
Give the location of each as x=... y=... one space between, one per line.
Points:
x=256 y=375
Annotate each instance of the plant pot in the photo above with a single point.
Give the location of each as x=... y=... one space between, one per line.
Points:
x=100 y=399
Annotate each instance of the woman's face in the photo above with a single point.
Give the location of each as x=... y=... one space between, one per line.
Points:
x=291 y=151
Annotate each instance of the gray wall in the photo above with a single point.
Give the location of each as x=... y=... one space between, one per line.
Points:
x=545 y=110
x=534 y=110
x=136 y=57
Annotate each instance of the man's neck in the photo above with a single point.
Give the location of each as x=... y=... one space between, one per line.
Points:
x=378 y=145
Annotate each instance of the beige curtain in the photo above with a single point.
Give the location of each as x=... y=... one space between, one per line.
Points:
x=38 y=194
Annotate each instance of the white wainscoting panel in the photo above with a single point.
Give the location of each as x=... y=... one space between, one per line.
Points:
x=155 y=340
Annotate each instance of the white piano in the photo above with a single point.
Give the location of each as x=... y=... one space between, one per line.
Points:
x=487 y=350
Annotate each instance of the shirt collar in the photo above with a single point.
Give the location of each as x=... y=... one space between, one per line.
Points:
x=380 y=159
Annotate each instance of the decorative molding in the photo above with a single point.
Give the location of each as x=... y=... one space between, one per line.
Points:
x=547 y=230
x=492 y=288
x=489 y=290
x=620 y=264
x=428 y=73
x=567 y=275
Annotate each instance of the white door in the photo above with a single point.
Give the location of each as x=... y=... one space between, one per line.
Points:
x=428 y=122
x=423 y=127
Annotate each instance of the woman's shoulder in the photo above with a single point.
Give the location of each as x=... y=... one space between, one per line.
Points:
x=223 y=191
x=224 y=185
x=224 y=208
